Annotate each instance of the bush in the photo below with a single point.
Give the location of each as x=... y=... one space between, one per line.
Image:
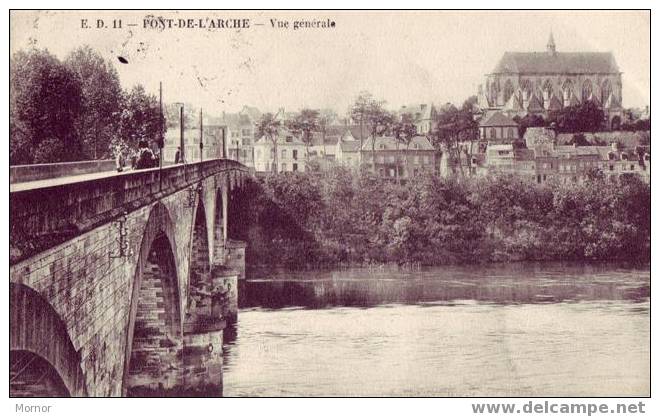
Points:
x=304 y=220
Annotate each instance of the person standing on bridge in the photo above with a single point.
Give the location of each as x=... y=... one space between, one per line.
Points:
x=146 y=157
x=177 y=156
x=119 y=158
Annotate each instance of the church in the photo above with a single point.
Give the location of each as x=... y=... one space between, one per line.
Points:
x=544 y=82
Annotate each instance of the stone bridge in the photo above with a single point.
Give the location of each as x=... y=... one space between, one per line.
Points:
x=121 y=284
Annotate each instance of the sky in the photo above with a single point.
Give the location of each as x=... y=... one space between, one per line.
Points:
x=403 y=58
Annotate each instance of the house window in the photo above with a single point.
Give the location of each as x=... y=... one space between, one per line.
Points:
x=392 y=173
x=295 y=154
x=283 y=165
x=283 y=153
x=289 y=139
x=493 y=133
x=509 y=133
x=611 y=167
x=632 y=167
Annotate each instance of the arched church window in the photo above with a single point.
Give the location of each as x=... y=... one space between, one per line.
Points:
x=587 y=88
x=508 y=90
x=567 y=91
x=605 y=91
x=494 y=88
x=547 y=88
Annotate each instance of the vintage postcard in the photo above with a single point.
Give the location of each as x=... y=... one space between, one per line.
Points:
x=331 y=204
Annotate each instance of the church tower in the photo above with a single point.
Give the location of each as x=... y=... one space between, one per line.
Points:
x=551 y=45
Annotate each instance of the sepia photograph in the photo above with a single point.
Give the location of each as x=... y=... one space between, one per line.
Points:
x=331 y=203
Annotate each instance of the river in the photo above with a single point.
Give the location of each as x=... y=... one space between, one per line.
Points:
x=546 y=329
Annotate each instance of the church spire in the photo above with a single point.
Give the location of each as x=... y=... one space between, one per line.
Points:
x=551 y=44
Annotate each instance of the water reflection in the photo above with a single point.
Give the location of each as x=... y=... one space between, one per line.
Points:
x=507 y=283
x=524 y=329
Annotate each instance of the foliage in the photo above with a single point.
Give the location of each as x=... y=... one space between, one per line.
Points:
x=98 y=122
x=45 y=102
x=304 y=124
x=359 y=110
x=268 y=126
x=586 y=117
x=140 y=118
x=529 y=120
x=172 y=115
x=74 y=110
x=637 y=125
x=404 y=130
x=300 y=219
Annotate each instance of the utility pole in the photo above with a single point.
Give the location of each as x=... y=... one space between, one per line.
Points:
x=182 y=144
x=161 y=139
x=201 y=135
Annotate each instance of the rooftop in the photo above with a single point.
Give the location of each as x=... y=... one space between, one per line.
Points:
x=389 y=143
x=557 y=63
x=497 y=119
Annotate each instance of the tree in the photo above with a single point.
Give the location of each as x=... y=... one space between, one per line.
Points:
x=173 y=116
x=379 y=121
x=404 y=130
x=326 y=117
x=99 y=118
x=452 y=126
x=268 y=126
x=586 y=117
x=529 y=120
x=359 y=110
x=44 y=104
x=140 y=118
x=304 y=124
x=579 y=139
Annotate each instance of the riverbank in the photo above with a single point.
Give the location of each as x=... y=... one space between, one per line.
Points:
x=300 y=220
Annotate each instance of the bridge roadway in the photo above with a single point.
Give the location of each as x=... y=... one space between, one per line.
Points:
x=51 y=182
x=122 y=283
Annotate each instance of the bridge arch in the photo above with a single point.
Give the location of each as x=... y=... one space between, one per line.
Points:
x=43 y=360
x=154 y=334
x=199 y=282
x=220 y=221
